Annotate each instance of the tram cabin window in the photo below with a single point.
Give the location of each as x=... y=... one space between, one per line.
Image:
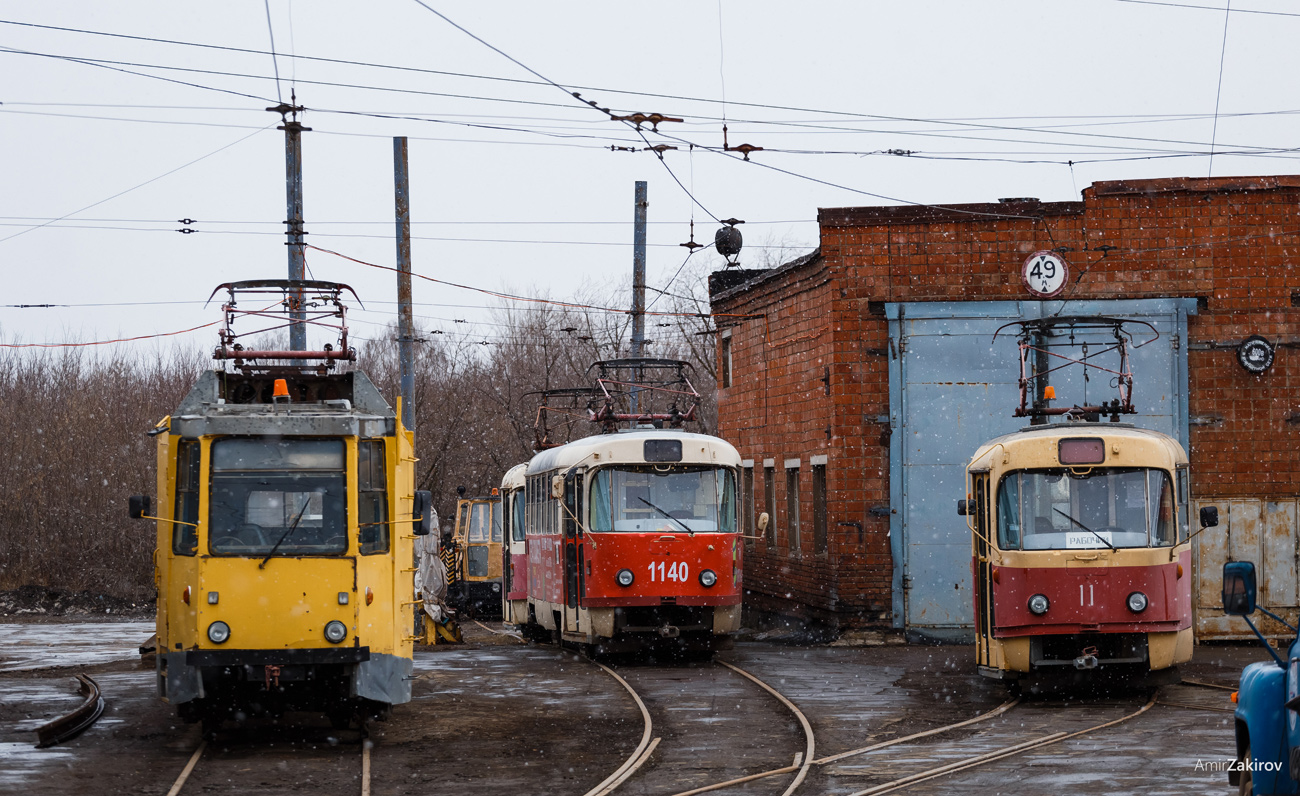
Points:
x=1059 y=509
x=372 y=497
x=663 y=499
x=480 y=522
x=185 y=539
x=286 y=495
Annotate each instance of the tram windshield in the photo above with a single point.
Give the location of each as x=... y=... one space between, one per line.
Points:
x=664 y=499
x=485 y=522
x=1105 y=507
x=275 y=491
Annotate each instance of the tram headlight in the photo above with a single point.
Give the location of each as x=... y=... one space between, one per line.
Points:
x=218 y=632
x=1038 y=604
x=335 y=632
x=708 y=577
x=624 y=577
x=1137 y=602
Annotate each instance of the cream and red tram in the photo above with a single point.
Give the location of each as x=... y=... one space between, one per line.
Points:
x=1081 y=558
x=631 y=540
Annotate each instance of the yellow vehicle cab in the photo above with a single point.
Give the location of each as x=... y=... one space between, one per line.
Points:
x=478 y=540
x=285 y=515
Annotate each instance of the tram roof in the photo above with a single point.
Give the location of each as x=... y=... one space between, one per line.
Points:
x=628 y=447
x=1051 y=433
x=514 y=477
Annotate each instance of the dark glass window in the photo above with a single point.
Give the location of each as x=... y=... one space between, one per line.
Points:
x=274 y=493
x=819 y=508
x=372 y=497
x=185 y=538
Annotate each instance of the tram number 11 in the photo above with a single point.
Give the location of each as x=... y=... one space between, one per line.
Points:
x=1082 y=602
x=677 y=571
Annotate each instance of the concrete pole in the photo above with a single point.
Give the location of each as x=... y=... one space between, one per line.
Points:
x=405 y=324
x=638 y=271
x=638 y=281
x=297 y=258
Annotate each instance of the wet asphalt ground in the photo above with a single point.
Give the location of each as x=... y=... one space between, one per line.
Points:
x=497 y=716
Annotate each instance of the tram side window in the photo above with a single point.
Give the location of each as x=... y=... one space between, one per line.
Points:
x=372 y=495
x=1009 y=535
x=185 y=538
x=1162 y=505
x=517 y=516
x=1184 y=512
x=496 y=522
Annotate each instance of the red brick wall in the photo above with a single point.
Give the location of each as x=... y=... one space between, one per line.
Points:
x=1230 y=242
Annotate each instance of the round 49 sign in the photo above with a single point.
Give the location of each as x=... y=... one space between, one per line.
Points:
x=1045 y=274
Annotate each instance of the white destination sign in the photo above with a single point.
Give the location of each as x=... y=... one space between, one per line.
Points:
x=1075 y=539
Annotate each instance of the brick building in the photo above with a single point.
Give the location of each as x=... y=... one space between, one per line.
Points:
x=857 y=380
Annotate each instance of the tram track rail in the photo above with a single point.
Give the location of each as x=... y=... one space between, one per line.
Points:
x=648 y=744
x=998 y=754
x=203 y=746
x=75 y=722
x=998 y=711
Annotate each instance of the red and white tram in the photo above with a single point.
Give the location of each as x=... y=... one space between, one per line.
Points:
x=631 y=541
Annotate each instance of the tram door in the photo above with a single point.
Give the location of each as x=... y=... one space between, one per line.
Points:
x=573 y=563
x=514 y=556
x=984 y=620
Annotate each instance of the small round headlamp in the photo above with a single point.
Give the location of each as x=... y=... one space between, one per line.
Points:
x=1038 y=604
x=335 y=632
x=624 y=577
x=1137 y=602
x=708 y=577
x=218 y=632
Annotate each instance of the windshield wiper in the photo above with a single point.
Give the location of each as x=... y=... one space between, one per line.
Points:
x=306 y=502
x=666 y=514
x=1085 y=527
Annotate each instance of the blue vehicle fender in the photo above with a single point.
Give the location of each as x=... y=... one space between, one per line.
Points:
x=1261 y=726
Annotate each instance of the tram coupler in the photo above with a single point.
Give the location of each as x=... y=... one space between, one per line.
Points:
x=1087 y=659
x=670 y=631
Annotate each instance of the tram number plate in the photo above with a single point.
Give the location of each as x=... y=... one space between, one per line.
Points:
x=678 y=571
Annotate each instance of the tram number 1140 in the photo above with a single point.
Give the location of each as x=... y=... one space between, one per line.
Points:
x=677 y=571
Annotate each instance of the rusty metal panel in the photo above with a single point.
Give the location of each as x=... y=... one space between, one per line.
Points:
x=1264 y=533
x=1278 y=571
x=1244 y=526
x=1211 y=554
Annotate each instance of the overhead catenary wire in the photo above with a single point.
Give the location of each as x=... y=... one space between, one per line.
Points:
x=1218 y=91
x=971 y=121
x=533 y=299
x=140 y=185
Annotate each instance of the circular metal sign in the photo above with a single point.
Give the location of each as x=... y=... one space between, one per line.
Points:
x=1045 y=274
x=1255 y=354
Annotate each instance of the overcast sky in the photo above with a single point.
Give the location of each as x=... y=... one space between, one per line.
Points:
x=107 y=140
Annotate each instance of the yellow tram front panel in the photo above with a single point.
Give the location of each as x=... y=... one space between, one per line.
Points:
x=285 y=605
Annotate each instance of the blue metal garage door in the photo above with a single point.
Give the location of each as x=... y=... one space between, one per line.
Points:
x=951 y=387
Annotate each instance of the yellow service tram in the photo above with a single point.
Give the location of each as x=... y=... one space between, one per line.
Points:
x=285 y=517
x=478 y=539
